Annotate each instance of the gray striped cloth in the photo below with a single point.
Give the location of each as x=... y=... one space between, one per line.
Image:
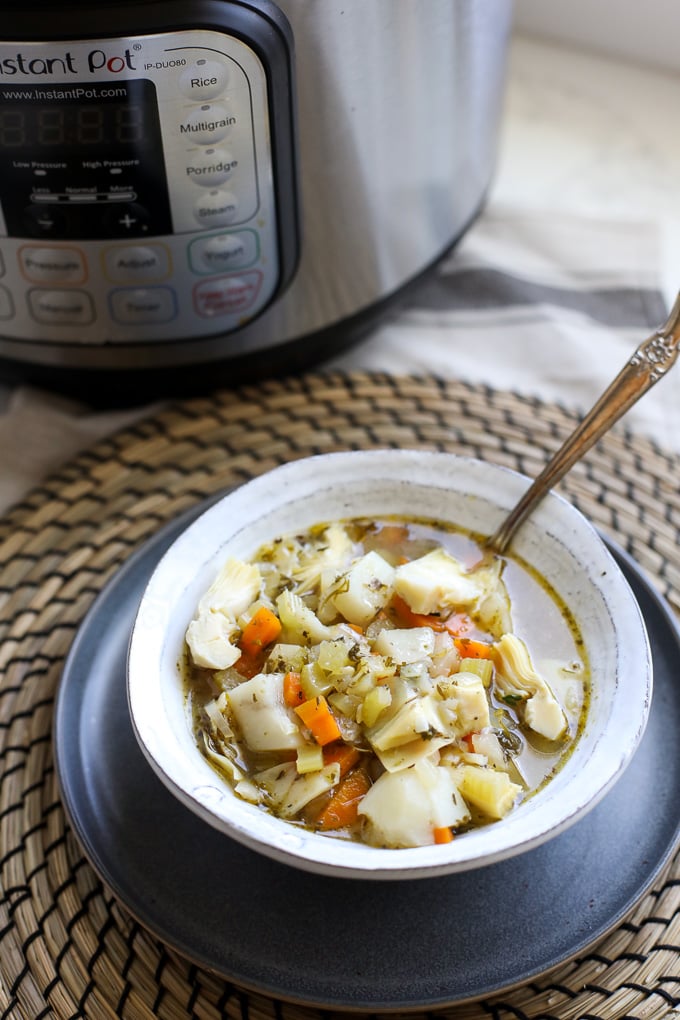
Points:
x=546 y=306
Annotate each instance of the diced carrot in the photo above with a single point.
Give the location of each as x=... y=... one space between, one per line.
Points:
x=248 y=666
x=343 y=807
x=317 y=717
x=260 y=631
x=293 y=695
x=407 y=618
x=443 y=834
x=345 y=755
x=393 y=534
x=356 y=628
x=458 y=624
x=468 y=740
x=471 y=649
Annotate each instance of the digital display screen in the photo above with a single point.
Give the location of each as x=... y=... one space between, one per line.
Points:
x=72 y=156
x=47 y=125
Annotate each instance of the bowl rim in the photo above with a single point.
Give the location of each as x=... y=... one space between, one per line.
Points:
x=286 y=486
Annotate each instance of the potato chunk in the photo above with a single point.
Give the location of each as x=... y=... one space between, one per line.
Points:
x=265 y=722
x=365 y=589
x=402 y=809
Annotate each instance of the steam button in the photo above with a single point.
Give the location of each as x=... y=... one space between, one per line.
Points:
x=206 y=79
x=216 y=208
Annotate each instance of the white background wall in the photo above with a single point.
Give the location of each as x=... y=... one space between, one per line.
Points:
x=645 y=31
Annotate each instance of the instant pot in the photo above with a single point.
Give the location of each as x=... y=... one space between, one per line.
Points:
x=201 y=191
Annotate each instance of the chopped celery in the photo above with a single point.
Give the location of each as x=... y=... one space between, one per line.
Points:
x=480 y=667
x=313 y=682
x=309 y=758
x=346 y=704
x=332 y=657
x=374 y=703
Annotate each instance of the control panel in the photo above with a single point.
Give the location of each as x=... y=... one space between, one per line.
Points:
x=139 y=189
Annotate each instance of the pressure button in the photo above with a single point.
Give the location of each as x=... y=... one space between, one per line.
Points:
x=52 y=265
x=205 y=79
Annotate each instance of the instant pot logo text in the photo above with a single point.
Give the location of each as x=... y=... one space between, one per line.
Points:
x=94 y=61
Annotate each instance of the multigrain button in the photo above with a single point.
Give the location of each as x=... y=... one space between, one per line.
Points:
x=209 y=167
x=52 y=265
x=144 y=304
x=216 y=208
x=206 y=79
x=61 y=307
x=207 y=124
x=137 y=263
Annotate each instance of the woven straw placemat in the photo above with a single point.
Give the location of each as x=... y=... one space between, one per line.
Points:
x=67 y=947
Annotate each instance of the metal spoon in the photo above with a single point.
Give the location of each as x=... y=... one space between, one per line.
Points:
x=649 y=363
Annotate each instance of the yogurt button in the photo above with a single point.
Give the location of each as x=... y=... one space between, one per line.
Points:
x=223 y=252
x=206 y=79
x=216 y=209
x=210 y=167
x=207 y=124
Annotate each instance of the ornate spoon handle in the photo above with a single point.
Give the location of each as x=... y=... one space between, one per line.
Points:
x=649 y=363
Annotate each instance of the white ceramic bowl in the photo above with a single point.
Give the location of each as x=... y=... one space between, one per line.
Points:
x=556 y=540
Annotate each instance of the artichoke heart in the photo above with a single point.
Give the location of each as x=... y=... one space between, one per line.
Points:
x=517 y=680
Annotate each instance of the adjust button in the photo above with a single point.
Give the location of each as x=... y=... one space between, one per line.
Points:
x=52 y=265
x=147 y=304
x=137 y=263
x=206 y=79
x=61 y=307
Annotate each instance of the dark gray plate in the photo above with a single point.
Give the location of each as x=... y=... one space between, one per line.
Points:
x=343 y=943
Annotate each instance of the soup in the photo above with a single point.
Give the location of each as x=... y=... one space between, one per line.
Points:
x=385 y=681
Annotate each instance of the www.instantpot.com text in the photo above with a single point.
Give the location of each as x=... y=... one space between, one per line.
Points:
x=74 y=93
